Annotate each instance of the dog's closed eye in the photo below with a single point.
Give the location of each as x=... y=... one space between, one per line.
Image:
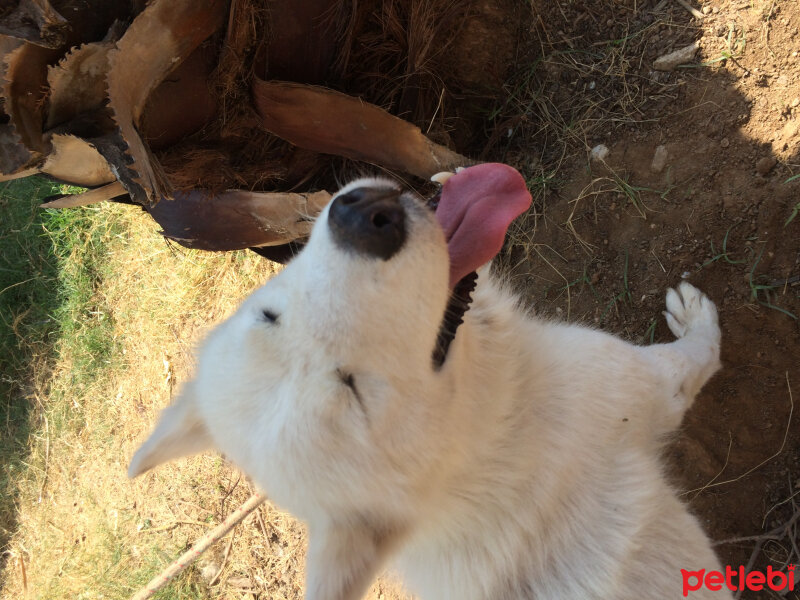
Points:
x=269 y=316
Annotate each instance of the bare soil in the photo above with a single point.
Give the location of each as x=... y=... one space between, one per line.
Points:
x=607 y=238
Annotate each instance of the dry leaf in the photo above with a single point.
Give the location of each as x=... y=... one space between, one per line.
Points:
x=77 y=83
x=76 y=161
x=157 y=41
x=37 y=22
x=101 y=194
x=237 y=219
x=24 y=88
x=326 y=121
x=183 y=103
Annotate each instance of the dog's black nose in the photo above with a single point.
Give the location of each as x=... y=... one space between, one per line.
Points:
x=369 y=220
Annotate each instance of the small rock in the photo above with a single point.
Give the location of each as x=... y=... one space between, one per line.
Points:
x=766 y=164
x=240 y=582
x=599 y=153
x=725 y=142
x=706 y=9
x=795 y=102
x=668 y=62
x=659 y=159
x=209 y=570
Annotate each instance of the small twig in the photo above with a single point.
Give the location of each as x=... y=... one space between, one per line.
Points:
x=784 y=282
x=436 y=112
x=782 y=502
x=721 y=471
x=46 y=456
x=262 y=526
x=101 y=194
x=188 y=557
x=653 y=252
x=774 y=534
x=24 y=572
x=694 y=12
x=173 y=525
x=542 y=256
x=227 y=495
x=224 y=559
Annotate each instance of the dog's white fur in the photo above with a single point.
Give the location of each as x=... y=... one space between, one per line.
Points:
x=527 y=467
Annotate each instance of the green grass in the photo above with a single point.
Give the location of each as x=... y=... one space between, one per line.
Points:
x=724 y=254
x=28 y=302
x=50 y=267
x=93 y=307
x=762 y=291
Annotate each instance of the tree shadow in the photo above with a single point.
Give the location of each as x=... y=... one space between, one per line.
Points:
x=28 y=300
x=605 y=239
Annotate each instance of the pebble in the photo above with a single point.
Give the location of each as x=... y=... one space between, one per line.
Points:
x=599 y=153
x=795 y=102
x=659 y=159
x=706 y=9
x=725 y=142
x=766 y=164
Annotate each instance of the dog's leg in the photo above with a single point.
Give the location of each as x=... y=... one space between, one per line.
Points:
x=688 y=363
x=342 y=560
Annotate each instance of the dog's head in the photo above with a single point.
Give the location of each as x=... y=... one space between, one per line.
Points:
x=321 y=386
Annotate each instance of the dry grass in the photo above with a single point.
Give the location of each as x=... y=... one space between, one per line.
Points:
x=83 y=529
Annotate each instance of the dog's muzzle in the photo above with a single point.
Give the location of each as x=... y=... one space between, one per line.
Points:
x=370 y=221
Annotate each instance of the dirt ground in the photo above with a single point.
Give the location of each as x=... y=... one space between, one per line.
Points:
x=608 y=237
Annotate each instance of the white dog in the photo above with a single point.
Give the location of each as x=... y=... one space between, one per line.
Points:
x=519 y=462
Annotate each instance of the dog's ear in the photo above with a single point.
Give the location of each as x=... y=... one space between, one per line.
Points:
x=343 y=559
x=180 y=432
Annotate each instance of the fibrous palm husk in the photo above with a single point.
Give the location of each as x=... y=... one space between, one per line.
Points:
x=181 y=102
x=37 y=22
x=23 y=88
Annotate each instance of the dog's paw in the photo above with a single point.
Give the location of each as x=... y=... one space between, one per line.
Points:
x=690 y=311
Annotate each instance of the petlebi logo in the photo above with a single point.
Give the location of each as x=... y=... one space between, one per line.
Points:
x=736 y=579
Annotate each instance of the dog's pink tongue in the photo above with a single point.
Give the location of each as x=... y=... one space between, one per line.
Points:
x=476 y=208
